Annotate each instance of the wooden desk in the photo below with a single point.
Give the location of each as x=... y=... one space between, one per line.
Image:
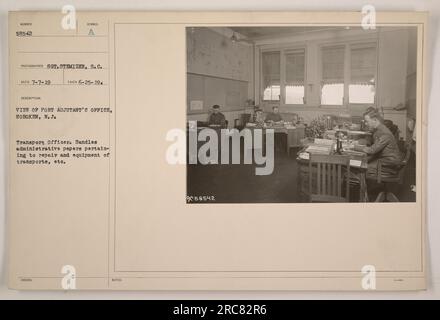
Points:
x=294 y=134
x=350 y=133
x=359 y=172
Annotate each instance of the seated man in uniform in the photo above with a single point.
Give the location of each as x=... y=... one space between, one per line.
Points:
x=217 y=119
x=274 y=116
x=258 y=117
x=383 y=148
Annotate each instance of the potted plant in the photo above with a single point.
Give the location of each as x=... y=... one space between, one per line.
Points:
x=316 y=128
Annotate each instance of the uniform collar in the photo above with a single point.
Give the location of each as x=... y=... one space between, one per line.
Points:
x=379 y=127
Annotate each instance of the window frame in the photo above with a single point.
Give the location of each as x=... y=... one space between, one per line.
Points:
x=283 y=51
x=364 y=44
x=262 y=76
x=347 y=72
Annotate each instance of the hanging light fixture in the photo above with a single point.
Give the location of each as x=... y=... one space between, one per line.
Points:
x=234 y=38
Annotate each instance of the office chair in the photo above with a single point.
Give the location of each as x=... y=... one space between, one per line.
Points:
x=329 y=172
x=385 y=195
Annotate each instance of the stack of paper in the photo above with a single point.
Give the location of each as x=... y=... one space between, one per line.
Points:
x=319 y=149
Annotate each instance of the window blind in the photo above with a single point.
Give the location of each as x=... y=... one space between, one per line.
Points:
x=333 y=64
x=271 y=69
x=295 y=68
x=363 y=65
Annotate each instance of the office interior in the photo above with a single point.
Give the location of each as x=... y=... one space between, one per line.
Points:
x=321 y=80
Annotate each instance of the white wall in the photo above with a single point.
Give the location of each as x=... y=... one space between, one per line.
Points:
x=393 y=64
x=211 y=52
x=411 y=79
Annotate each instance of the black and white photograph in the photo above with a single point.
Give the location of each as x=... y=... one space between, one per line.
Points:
x=220 y=151
x=298 y=114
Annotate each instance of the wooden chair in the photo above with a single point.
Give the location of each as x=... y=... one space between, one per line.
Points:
x=385 y=195
x=329 y=172
x=242 y=121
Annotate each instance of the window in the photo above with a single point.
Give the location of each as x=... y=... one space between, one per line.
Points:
x=332 y=94
x=295 y=70
x=354 y=78
x=362 y=74
x=283 y=75
x=332 y=85
x=348 y=75
x=271 y=76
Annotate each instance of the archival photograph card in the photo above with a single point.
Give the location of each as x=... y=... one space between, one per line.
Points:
x=217 y=151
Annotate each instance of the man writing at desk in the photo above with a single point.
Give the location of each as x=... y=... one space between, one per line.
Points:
x=217 y=119
x=384 y=147
x=274 y=116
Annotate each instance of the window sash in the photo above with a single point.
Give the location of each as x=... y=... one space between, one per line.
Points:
x=271 y=67
x=295 y=68
x=284 y=68
x=359 y=69
x=332 y=61
x=363 y=65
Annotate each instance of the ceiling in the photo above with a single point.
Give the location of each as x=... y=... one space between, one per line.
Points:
x=263 y=32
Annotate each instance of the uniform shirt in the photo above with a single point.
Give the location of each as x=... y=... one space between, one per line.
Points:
x=217 y=119
x=258 y=118
x=275 y=117
x=384 y=146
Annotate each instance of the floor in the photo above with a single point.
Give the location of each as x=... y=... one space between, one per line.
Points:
x=237 y=183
